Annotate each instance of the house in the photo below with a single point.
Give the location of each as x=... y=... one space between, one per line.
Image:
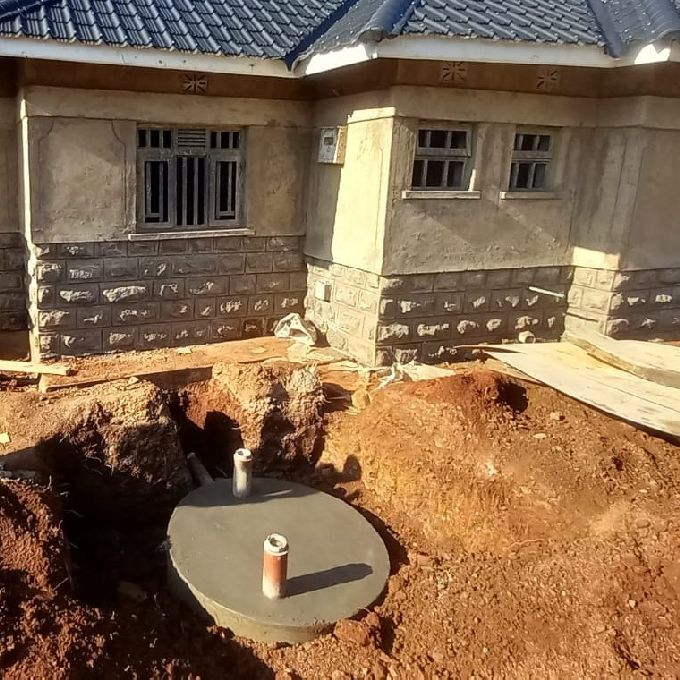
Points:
x=412 y=175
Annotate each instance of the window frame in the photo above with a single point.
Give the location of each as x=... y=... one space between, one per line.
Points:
x=546 y=157
x=425 y=154
x=212 y=157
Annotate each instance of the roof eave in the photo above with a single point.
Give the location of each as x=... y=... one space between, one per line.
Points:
x=35 y=48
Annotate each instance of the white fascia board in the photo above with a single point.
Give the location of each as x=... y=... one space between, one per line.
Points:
x=35 y=48
x=328 y=61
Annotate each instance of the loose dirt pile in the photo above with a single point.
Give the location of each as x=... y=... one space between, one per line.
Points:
x=552 y=529
x=275 y=410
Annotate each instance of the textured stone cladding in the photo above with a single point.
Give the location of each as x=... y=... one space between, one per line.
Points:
x=428 y=316
x=89 y=298
x=626 y=304
x=13 y=297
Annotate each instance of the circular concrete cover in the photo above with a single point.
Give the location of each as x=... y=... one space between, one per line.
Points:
x=337 y=563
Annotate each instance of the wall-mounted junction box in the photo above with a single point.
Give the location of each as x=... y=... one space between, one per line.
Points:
x=332 y=144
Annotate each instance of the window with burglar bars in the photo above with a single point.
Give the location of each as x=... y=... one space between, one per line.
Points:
x=531 y=157
x=189 y=178
x=443 y=159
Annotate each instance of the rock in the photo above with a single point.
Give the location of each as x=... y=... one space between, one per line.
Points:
x=354 y=632
x=556 y=415
x=131 y=591
x=5 y=438
x=540 y=435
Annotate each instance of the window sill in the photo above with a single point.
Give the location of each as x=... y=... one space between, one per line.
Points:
x=530 y=195
x=195 y=233
x=411 y=194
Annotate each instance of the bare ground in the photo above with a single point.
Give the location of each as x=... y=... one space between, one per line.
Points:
x=529 y=536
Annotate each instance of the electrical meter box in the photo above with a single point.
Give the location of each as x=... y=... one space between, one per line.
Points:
x=332 y=145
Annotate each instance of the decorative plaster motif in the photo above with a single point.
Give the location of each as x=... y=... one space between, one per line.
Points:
x=547 y=79
x=454 y=72
x=195 y=83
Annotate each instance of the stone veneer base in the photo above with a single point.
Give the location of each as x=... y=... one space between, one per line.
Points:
x=89 y=298
x=13 y=313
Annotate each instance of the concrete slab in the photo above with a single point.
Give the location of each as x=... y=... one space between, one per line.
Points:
x=337 y=564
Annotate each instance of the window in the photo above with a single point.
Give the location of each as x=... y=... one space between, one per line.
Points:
x=531 y=157
x=443 y=159
x=189 y=178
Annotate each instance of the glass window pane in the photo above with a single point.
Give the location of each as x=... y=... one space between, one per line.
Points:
x=438 y=139
x=539 y=175
x=416 y=180
x=454 y=178
x=422 y=138
x=434 y=173
x=459 y=139
x=544 y=143
x=522 y=180
x=141 y=138
x=167 y=139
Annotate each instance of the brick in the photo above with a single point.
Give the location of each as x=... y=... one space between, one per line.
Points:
x=524 y=322
x=283 y=243
x=523 y=276
x=506 y=299
x=194 y=265
x=349 y=321
x=270 y=324
x=15 y=259
x=416 y=305
x=368 y=301
x=287 y=262
x=56 y=318
x=467 y=327
x=214 y=285
x=89 y=317
x=227 y=244
x=173 y=246
x=336 y=339
x=260 y=304
x=404 y=355
x=662 y=298
x=448 y=281
x=45 y=250
x=298 y=280
x=448 y=303
x=437 y=352
x=254 y=243
x=45 y=296
x=77 y=250
x=154 y=267
x=203 y=244
x=50 y=272
x=387 y=308
x=433 y=328
x=79 y=294
x=48 y=345
x=644 y=278
x=476 y=302
x=253 y=328
x=195 y=332
x=142 y=248
x=347 y=295
x=13 y=302
x=355 y=277
x=232 y=263
x=178 y=309
x=495 y=324
x=272 y=283
x=472 y=280
x=669 y=319
x=499 y=278
x=134 y=313
x=632 y=300
x=88 y=270
x=233 y=305
x=242 y=285
x=157 y=335
x=112 y=249
x=288 y=302
x=584 y=276
x=204 y=308
x=169 y=290
x=226 y=329
x=548 y=276
x=13 y=321
x=413 y=283
x=120 y=339
x=622 y=281
x=11 y=239
x=258 y=262
x=81 y=342
x=595 y=300
x=133 y=291
x=530 y=299
x=669 y=275
x=384 y=356
x=393 y=332
x=616 y=327
x=121 y=268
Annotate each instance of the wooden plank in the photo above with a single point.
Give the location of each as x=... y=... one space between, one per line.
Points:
x=572 y=371
x=654 y=361
x=28 y=367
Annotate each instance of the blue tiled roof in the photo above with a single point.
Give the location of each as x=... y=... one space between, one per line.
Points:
x=287 y=29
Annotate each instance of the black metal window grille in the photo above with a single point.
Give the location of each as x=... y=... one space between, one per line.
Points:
x=531 y=157
x=443 y=159
x=189 y=178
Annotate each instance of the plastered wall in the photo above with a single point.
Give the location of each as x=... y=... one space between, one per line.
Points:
x=79 y=158
x=9 y=204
